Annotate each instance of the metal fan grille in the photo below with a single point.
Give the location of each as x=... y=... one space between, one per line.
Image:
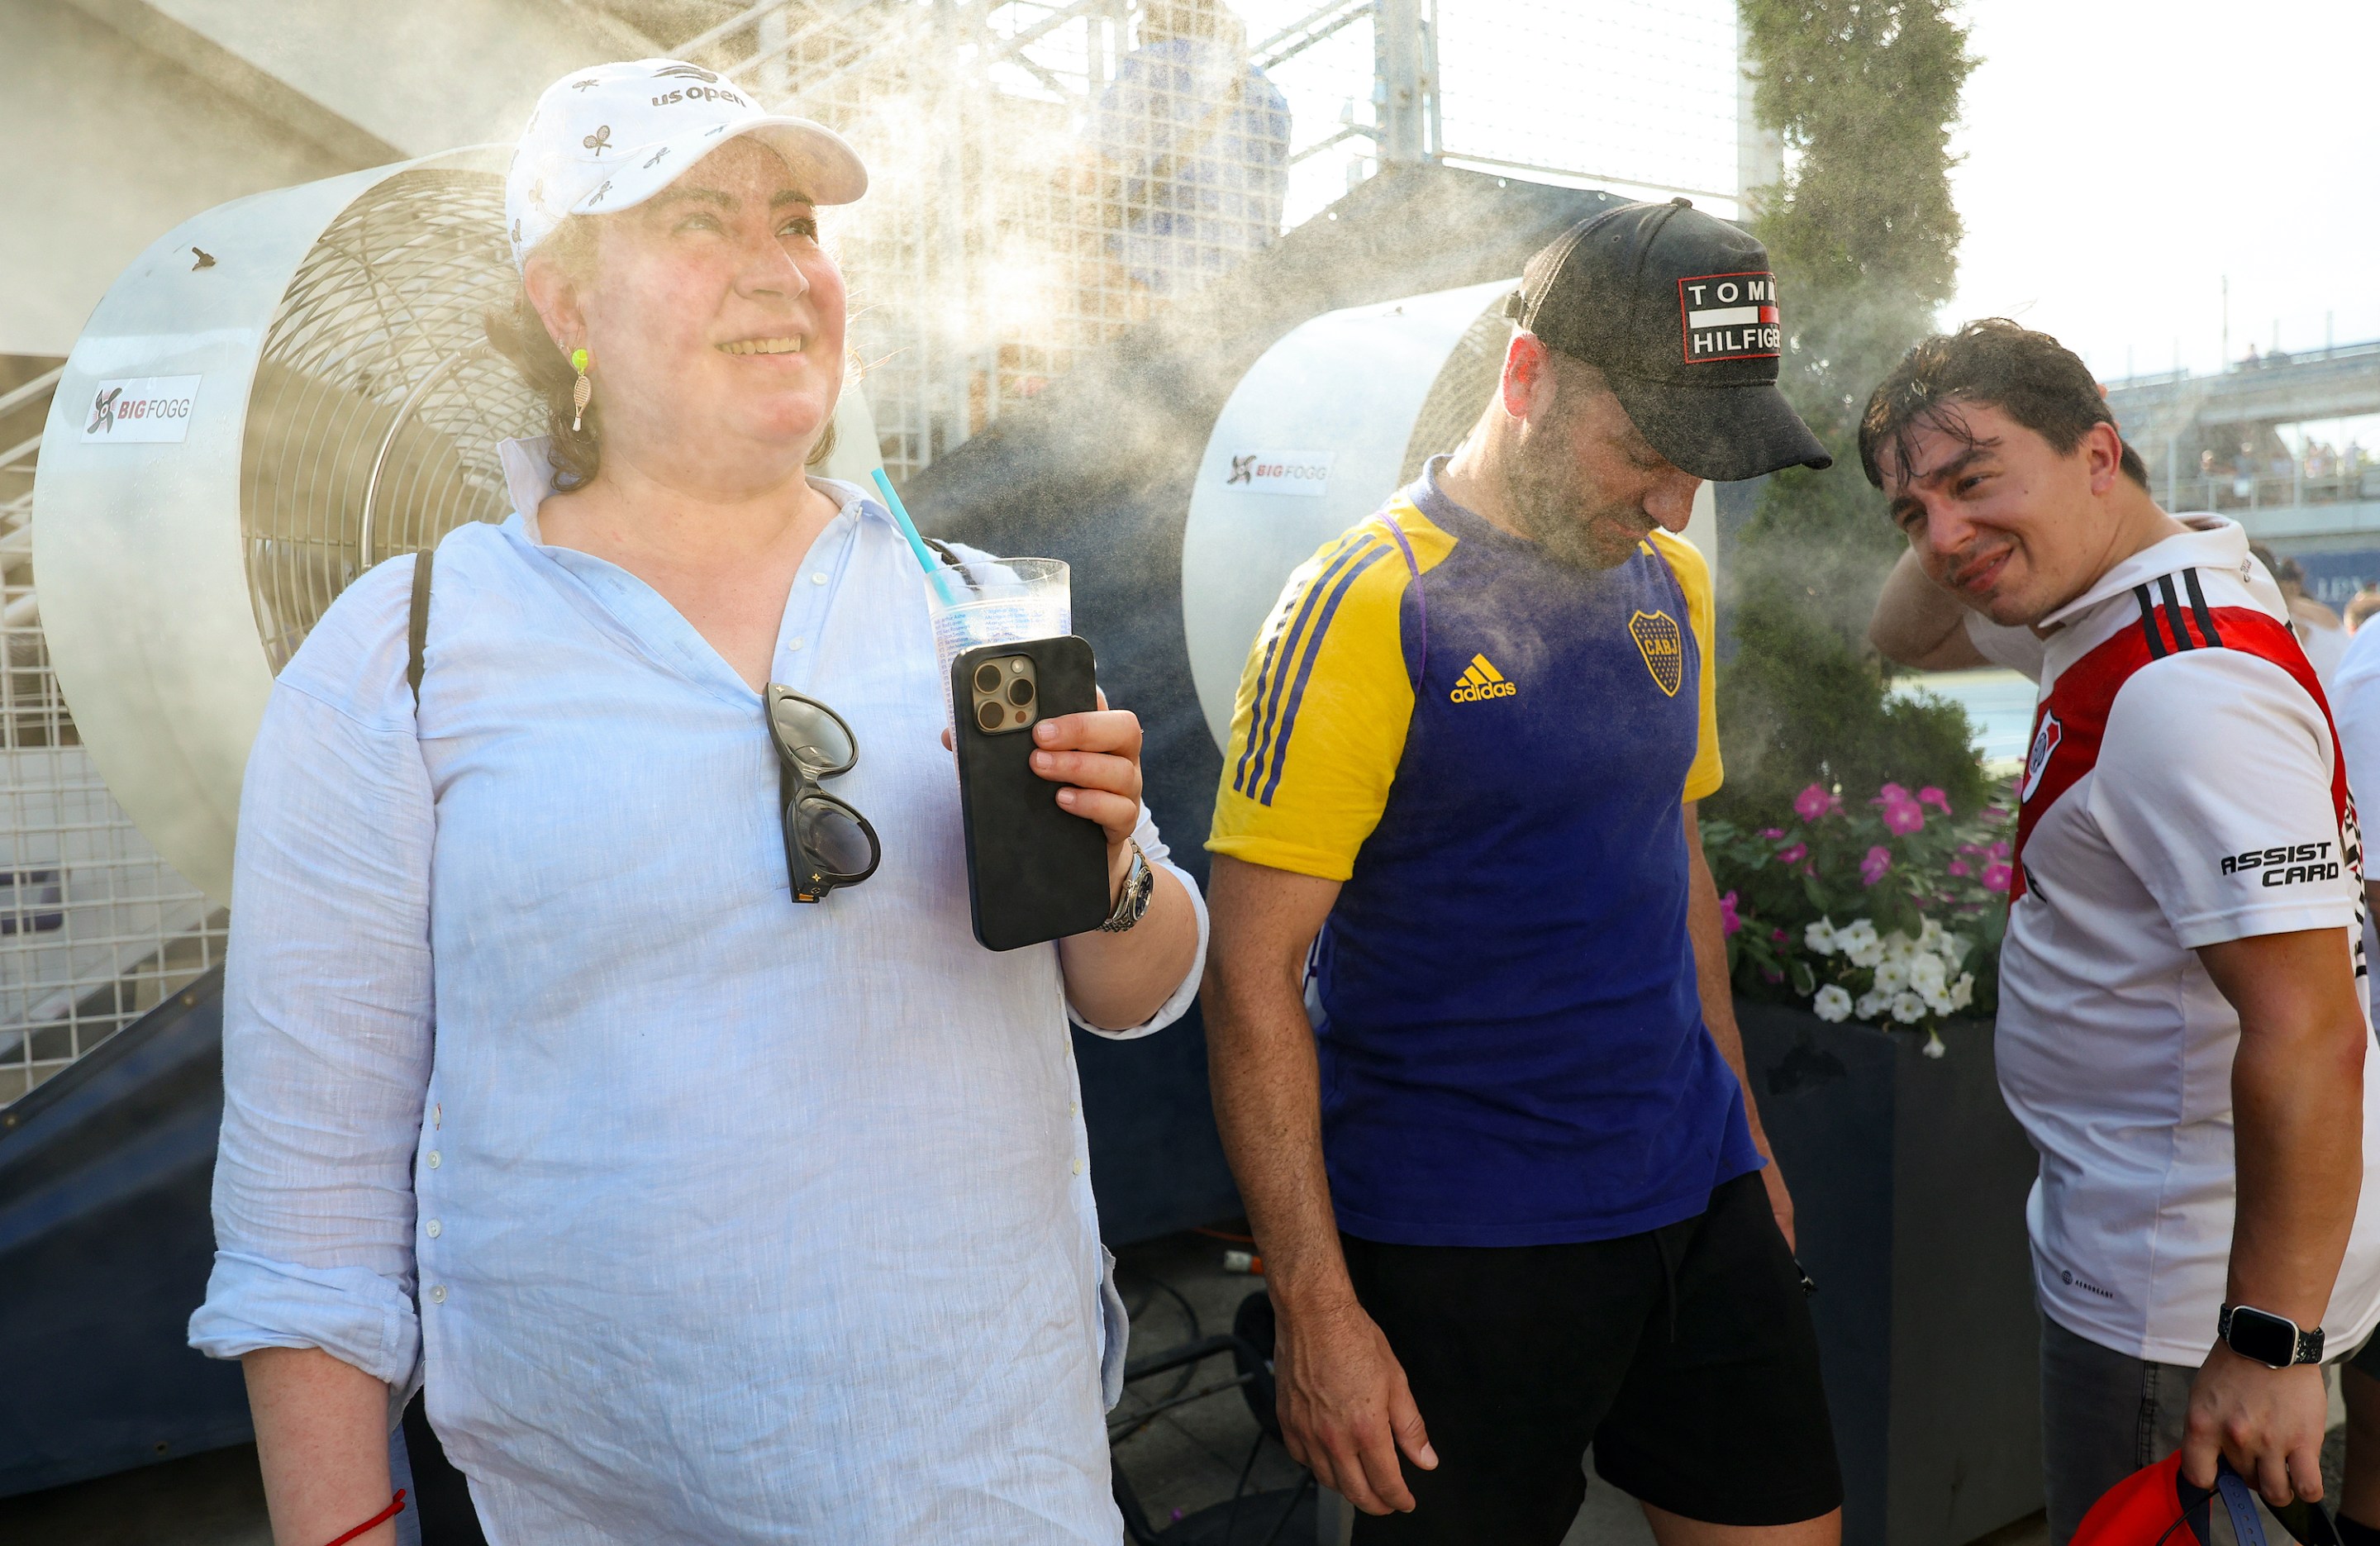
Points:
x=374 y=424
x=1461 y=392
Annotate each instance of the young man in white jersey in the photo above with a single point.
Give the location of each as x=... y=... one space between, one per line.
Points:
x=2182 y=1028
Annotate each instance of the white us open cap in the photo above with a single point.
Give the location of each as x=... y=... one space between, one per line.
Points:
x=609 y=138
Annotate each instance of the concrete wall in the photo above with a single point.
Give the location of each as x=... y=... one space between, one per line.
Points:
x=121 y=118
x=105 y=146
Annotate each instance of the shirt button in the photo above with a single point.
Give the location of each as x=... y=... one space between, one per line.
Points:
x=818 y=579
x=1078 y=1167
x=438 y=1293
x=431 y=1159
x=433 y=1229
x=1074 y=1108
x=793 y=643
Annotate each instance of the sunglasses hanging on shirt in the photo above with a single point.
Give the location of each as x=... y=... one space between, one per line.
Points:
x=828 y=842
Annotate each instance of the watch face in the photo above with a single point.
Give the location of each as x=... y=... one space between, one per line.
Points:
x=2264 y=1338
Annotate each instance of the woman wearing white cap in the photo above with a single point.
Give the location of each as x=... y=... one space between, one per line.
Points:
x=708 y=1217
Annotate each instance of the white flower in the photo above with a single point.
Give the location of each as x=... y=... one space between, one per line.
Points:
x=1820 y=937
x=1898 y=947
x=1860 y=943
x=1962 y=992
x=1832 y=1003
x=1929 y=934
x=1934 y=1047
x=1908 y=1009
x=1938 y=1002
x=1892 y=976
x=1927 y=976
x=1870 y=1006
x=1952 y=948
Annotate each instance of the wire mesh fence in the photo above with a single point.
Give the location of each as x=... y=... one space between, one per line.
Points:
x=95 y=929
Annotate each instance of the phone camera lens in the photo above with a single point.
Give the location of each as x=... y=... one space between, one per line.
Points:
x=989 y=715
x=986 y=679
x=1020 y=693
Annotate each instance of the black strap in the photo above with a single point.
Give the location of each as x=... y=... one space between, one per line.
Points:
x=416 y=631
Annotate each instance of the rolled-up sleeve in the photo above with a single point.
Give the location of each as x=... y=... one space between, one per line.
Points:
x=327 y=1018
x=1160 y=857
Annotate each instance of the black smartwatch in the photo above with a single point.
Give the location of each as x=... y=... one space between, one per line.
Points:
x=2269 y=1339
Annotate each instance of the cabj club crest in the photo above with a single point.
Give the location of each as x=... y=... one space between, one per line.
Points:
x=1663 y=646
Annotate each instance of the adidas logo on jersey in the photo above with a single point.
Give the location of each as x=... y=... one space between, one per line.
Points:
x=1479 y=680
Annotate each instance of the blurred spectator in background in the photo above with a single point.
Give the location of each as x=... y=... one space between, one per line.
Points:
x=2361 y=605
x=1192 y=146
x=2318 y=628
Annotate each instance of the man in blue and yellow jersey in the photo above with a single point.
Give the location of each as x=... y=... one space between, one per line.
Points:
x=1467 y=1004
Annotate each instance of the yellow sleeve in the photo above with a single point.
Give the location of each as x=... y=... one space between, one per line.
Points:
x=1319 y=725
x=1694 y=577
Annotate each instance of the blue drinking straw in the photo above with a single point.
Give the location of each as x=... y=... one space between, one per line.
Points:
x=916 y=544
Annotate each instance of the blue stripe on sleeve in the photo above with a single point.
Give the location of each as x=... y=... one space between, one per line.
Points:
x=1253 y=757
x=1306 y=667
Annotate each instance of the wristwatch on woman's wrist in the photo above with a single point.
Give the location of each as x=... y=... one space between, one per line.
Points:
x=2269 y=1339
x=1133 y=900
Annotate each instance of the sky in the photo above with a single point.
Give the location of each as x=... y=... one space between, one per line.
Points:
x=2121 y=157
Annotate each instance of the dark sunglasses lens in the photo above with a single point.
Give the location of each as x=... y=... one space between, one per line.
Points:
x=810 y=733
x=834 y=839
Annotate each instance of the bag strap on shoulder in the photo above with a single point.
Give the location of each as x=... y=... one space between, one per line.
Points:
x=417 y=631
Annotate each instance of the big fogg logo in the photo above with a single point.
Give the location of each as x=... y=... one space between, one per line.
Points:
x=1730 y=315
x=146 y=409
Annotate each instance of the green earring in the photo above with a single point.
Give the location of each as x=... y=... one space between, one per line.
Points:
x=582 y=393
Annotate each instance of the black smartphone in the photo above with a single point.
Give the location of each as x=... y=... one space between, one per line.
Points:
x=1035 y=872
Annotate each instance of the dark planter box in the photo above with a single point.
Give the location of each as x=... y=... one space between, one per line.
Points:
x=1909 y=1179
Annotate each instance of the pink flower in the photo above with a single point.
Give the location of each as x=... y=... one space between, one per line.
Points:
x=1995 y=813
x=1929 y=795
x=1814 y=801
x=1999 y=850
x=1903 y=814
x=1772 y=833
x=1728 y=922
x=1876 y=865
x=1794 y=855
x=1771 y=974
x=1996 y=876
x=1958 y=868
x=1778 y=937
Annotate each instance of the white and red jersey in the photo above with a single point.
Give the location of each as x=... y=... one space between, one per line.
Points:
x=2184 y=788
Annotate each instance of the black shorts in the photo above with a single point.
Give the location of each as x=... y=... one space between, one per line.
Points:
x=1685 y=1356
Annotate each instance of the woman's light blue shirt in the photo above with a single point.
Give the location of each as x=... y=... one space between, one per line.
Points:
x=710 y=1217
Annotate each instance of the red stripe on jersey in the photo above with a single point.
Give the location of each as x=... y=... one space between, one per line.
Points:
x=2071 y=723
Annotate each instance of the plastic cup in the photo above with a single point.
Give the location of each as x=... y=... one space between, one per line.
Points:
x=997 y=601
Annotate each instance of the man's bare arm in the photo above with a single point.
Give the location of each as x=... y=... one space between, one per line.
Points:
x=1709 y=937
x=1344 y=1406
x=1919 y=624
x=2297 y=1104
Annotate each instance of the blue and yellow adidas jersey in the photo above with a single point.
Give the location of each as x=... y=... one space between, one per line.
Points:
x=1491 y=751
x=1337 y=640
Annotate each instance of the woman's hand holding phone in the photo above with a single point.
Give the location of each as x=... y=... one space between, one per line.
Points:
x=1095 y=760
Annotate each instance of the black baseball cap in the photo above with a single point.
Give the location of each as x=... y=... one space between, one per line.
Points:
x=1677 y=310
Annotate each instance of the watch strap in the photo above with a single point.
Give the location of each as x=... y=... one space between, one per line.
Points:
x=2309 y=1343
x=1133 y=900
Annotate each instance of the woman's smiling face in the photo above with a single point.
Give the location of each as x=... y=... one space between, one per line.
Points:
x=712 y=319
